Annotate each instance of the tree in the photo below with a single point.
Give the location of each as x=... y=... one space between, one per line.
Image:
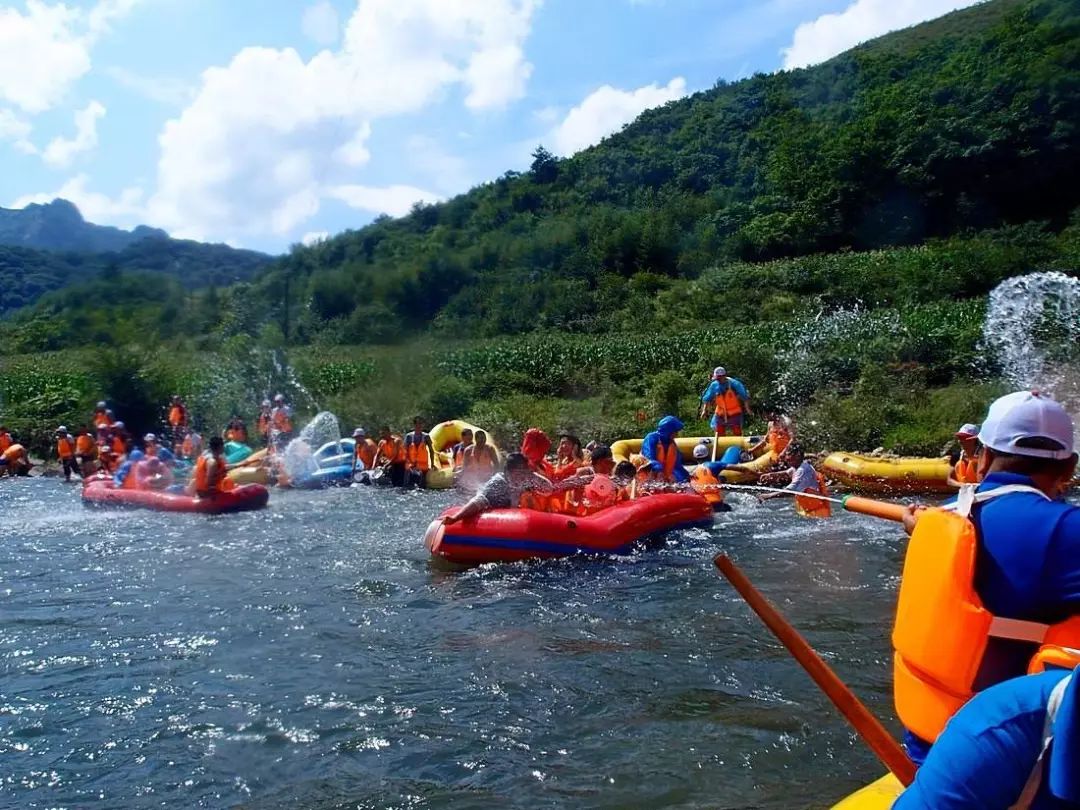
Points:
x=545 y=166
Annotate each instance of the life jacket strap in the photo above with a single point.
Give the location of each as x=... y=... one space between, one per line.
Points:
x=968 y=497
x=1018 y=630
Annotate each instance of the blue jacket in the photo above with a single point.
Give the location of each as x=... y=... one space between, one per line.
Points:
x=664 y=436
x=125 y=468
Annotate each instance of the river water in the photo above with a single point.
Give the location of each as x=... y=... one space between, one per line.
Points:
x=310 y=656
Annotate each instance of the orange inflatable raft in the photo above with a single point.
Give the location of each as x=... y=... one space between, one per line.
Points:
x=102 y=492
x=510 y=535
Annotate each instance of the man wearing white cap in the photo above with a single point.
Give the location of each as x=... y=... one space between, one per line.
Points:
x=364 y=450
x=966 y=469
x=730 y=403
x=1019 y=568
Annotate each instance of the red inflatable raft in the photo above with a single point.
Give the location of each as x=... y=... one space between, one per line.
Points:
x=101 y=492
x=509 y=535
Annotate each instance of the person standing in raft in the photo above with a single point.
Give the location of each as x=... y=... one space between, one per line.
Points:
x=364 y=450
x=419 y=453
x=1015 y=745
x=65 y=452
x=262 y=423
x=511 y=489
x=391 y=457
x=730 y=403
x=800 y=476
x=1007 y=550
x=209 y=477
x=965 y=470
x=281 y=426
x=662 y=454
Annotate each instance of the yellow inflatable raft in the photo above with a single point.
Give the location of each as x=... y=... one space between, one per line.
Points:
x=883 y=475
x=252 y=470
x=443 y=438
x=878 y=795
x=624 y=448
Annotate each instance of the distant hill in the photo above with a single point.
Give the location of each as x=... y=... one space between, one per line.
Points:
x=47 y=247
x=60 y=226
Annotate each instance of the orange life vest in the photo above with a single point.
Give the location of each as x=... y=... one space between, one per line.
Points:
x=118 y=445
x=668 y=457
x=279 y=420
x=727 y=403
x=12 y=452
x=85 y=445
x=65 y=447
x=416 y=452
x=392 y=450
x=101 y=419
x=814 y=507
x=236 y=434
x=536 y=501
x=705 y=484
x=942 y=629
x=364 y=452
x=262 y=424
x=178 y=416
x=965 y=471
x=777 y=439
x=207 y=482
x=5 y=441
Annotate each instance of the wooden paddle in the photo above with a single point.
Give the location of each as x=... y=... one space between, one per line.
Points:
x=869 y=727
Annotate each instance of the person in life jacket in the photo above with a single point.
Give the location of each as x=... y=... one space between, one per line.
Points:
x=192 y=445
x=479 y=461
x=965 y=470
x=778 y=435
x=800 y=477
x=516 y=487
x=281 y=426
x=209 y=477
x=262 y=422
x=5 y=439
x=364 y=450
x=660 y=450
x=124 y=477
x=1014 y=745
x=390 y=456
x=119 y=442
x=991 y=582
x=236 y=431
x=568 y=457
x=178 y=414
x=15 y=460
x=457 y=452
x=419 y=453
x=534 y=446
x=86 y=451
x=102 y=416
x=65 y=452
x=706 y=480
x=730 y=403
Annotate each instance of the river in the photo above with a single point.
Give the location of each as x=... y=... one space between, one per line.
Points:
x=311 y=656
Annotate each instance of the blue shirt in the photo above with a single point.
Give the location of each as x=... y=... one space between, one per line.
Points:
x=987 y=751
x=715 y=389
x=649 y=447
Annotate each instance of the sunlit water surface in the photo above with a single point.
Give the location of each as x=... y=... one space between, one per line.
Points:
x=310 y=656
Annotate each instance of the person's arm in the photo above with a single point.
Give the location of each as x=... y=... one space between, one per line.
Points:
x=648 y=452
x=708 y=397
x=581 y=479
x=793 y=482
x=743 y=395
x=474 y=507
x=430 y=450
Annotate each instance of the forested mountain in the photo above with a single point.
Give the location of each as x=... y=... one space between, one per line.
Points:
x=967 y=123
x=60 y=226
x=79 y=251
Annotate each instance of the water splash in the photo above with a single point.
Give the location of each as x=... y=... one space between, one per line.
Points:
x=1032 y=329
x=320 y=430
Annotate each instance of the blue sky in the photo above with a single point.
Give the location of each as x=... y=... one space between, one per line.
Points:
x=267 y=122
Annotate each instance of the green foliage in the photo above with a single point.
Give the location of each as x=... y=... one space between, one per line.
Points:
x=449 y=399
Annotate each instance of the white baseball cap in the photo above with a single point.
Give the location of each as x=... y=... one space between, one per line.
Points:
x=719 y=371
x=149 y=437
x=359 y=432
x=1025 y=415
x=61 y=429
x=701 y=450
x=967 y=431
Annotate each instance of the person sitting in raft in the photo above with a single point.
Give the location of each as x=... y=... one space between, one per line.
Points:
x=124 y=477
x=730 y=403
x=778 y=435
x=102 y=416
x=965 y=468
x=364 y=450
x=625 y=477
x=1025 y=567
x=801 y=477
x=457 y=452
x=601 y=462
x=262 y=423
x=86 y=451
x=192 y=445
x=152 y=448
x=153 y=474
x=281 y=427
x=65 y=452
x=705 y=477
x=209 y=478
x=419 y=453
x=568 y=456
x=15 y=461
x=236 y=431
x=479 y=461
x=1014 y=745
x=5 y=439
x=660 y=450
x=510 y=489
x=390 y=456
x=534 y=446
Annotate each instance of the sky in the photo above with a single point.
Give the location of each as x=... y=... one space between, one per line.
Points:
x=265 y=123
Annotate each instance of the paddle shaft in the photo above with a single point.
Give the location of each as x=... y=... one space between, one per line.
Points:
x=869 y=727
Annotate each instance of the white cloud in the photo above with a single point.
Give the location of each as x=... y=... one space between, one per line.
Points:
x=831 y=34
x=393 y=200
x=321 y=24
x=16 y=129
x=445 y=171
x=160 y=89
x=125 y=211
x=607 y=110
x=314 y=237
x=61 y=151
x=220 y=170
